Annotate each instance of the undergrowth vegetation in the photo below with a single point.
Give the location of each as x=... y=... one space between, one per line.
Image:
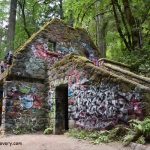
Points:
x=97 y=137
x=137 y=131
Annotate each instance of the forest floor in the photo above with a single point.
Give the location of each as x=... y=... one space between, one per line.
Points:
x=53 y=142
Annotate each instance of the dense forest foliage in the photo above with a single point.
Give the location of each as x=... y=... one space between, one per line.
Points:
x=119 y=28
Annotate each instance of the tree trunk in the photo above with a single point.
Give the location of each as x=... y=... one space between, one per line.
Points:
x=71 y=19
x=61 y=12
x=101 y=26
x=118 y=25
x=22 y=7
x=133 y=24
x=1 y=36
x=11 y=25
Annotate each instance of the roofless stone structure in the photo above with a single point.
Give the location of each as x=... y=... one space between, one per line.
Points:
x=56 y=80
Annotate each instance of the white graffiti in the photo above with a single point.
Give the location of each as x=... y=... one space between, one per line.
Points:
x=103 y=105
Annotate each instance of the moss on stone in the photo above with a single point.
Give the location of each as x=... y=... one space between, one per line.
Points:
x=127 y=73
x=115 y=63
x=54 y=27
x=95 y=73
x=3 y=76
x=35 y=35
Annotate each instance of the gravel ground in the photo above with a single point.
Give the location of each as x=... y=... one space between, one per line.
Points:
x=53 y=142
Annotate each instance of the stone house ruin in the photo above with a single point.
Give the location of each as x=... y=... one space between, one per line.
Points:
x=56 y=80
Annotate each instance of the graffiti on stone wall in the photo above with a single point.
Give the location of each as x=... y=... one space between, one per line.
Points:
x=25 y=106
x=76 y=77
x=103 y=106
x=99 y=106
x=41 y=51
x=24 y=96
x=69 y=47
x=65 y=47
x=73 y=47
x=33 y=65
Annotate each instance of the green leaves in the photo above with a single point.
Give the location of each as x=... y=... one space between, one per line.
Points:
x=48 y=131
x=139 y=132
x=97 y=137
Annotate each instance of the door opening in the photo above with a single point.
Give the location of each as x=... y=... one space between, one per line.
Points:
x=61 y=120
x=1 y=103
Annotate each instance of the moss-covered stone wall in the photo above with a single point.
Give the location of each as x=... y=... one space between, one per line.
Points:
x=32 y=62
x=96 y=98
x=49 y=45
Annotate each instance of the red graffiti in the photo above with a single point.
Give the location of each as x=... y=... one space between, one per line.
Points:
x=74 y=76
x=71 y=102
x=136 y=108
x=41 y=52
x=37 y=103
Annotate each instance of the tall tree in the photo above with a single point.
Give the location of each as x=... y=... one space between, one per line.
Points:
x=101 y=29
x=61 y=12
x=133 y=24
x=127 y=25
x=22 y=5
x=101 y=26
x=11 y=25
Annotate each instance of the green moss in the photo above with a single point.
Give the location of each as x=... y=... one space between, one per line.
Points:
x=70 y=34
x=96 y=73
x=80 y=60
x=35 y=35
x=48 y=131
x=128 y=74
x=3 y=76
x=97 y=137
x=115 y=63
x=141 y=140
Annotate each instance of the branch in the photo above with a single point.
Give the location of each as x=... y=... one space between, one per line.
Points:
x=22 y=7
x=102 y=13
x=118 y=26
x=88 y=9
x=124 y=22
x=145 y=15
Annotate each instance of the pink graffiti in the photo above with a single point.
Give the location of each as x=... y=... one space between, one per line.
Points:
x=94 y=60
x=136 y=108
x=43 y=53
x=71 y=102
x=74 y=76
x=37 y=102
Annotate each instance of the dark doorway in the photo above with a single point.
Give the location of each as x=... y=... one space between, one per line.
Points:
x=1 y=103
x=61 y=120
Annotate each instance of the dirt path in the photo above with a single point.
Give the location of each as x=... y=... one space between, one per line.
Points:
x=53 y=142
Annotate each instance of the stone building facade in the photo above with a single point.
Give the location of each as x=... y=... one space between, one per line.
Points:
x=97 y=98
x=57 y=81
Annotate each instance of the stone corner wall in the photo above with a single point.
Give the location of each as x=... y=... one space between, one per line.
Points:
x=26 y=107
